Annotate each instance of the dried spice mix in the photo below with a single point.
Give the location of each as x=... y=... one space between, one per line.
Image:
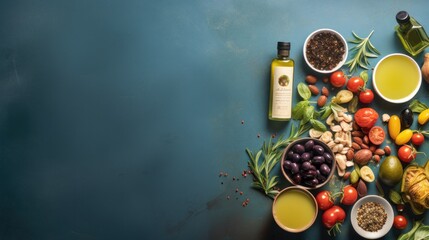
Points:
x=371 y=216
x=325 y=51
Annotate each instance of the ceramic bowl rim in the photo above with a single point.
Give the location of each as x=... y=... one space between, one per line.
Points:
x=340 y=64
x=386 y=227
x=308 y=193
x=320 y=142
x=412 y=94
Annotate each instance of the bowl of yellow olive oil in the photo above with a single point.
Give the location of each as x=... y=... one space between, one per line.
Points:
x=397 y=78
x=295 y=209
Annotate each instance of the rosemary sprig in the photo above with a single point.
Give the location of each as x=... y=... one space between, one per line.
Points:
x=362 y=51
x=262 y=163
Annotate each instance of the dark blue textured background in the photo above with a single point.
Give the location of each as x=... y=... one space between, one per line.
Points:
x=116 y=117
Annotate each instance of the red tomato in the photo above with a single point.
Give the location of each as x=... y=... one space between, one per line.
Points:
x=417 y=139
x=406 y=153
x=355 y=84
x=400 y=222
x=324 y=200
x=366 y=96
x=376 y=135
x=350 y=195
x=333 y=216
x=366 y=117
x=338 y=79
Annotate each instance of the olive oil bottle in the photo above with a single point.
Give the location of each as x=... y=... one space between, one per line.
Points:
x=411 y=33
x=281 y=84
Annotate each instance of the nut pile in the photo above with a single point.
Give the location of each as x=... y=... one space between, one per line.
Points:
x=363 y=150
x=339 y=139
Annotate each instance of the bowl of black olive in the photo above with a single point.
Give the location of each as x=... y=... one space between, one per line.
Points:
x=325 y=50
x=308 y=162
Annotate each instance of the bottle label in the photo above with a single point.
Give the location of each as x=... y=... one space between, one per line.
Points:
x=282 y=92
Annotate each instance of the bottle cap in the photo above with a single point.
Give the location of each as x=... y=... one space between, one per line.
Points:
x=402 y=17
x=283 y=45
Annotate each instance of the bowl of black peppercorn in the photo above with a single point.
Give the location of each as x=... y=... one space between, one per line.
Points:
x=325 y=50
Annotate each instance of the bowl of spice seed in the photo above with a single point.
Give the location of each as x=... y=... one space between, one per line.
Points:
x=325 y=50
x=372 y=217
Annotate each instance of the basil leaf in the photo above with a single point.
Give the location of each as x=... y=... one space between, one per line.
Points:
x=308 y=114
x=298 y=110
x=395 y=197
x=304 y=91
x=364 y=75
x=417 y=106
x=422 y=233
x=409 y=235
x=318 y=125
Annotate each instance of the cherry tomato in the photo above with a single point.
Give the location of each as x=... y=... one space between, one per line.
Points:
x=366 y=117
x=338 y=79
x=417 y=139
x=350 y=195
x=355 y=84
x=376 y=135
x=366 y=96
x=406 y=153
x=324 y=200
x=400 y=222
x=333 y=216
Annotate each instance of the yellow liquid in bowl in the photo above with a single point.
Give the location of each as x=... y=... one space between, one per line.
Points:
x=294 y=209
x=396 y=77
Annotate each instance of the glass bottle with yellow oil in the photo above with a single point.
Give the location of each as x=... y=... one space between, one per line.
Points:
x=281 y=84
x=411 y=33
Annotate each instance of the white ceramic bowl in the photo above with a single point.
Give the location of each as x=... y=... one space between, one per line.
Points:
x=386 y=227
x=327 y=30
x=403 y=77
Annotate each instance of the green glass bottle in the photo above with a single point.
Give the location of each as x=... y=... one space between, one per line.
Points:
x=411 y=33
x=281 y=84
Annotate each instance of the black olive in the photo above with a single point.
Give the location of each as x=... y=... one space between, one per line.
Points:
x=407 y=118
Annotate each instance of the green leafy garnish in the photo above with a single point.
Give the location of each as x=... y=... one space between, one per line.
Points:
x=262 y=163
x=418 y=232
x=303 y=91
x=417 y=106
x=362 y=51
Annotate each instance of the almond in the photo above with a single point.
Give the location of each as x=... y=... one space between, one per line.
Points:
x=325 y=79
x=350 y=154
x=313 y=89
x=365 y=139
x=358 y=134
x=321 y=101
x=372 y=148
x=387 y=150
x=356 y=146
x=325 y=91
x=310 y=79
x=376 y=158
x=362 y=157
x=379 y=151
x=357 y=140
x=346 y=175
x=364 y=146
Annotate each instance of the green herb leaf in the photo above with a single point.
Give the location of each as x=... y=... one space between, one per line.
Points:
x=353 y=104
x=422 y=233
x=304 y=91
x=362 y=51
x=299 y=109
x=326 y=111
x=395 y=197
x=417 y=106
x=308 y=114
x=318 y=125
x=409 y=235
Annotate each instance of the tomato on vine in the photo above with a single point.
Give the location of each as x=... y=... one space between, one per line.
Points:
x=406 y=153
x=324 y=200
x=338 y=79
x=350 y=195
x=417 y=139
x=355 y=84
x=333 y=218
x=366 y=96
